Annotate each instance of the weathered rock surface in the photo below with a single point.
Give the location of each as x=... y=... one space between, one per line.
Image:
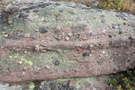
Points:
x=47 y=41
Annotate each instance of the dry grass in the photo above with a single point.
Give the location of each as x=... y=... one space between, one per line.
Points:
x=119 y=5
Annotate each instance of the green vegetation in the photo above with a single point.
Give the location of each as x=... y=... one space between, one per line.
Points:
x=119 y=5
x=123 y=80
x=31 y=86
x=112 y=82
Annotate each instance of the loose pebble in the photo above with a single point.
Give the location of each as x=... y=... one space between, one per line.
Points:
x=6 y=35
x=110 y=36
x=27 y=11
x=25 y=68
x=47 y=66
x=19 y=62
x=61 y=10
x=59 y=51
x=43 y=30
x=36 y=30
x=120 y=32
x=27 y=35
x=32 y=36
x=56 y=62
x=70 y=34
x=37 y=47
x=115 y=26
x=67 y=38
x=22 y=15
x=85 y=54
x=103 y=21
x=58 y=28
x=103 y=52
x=36 y=10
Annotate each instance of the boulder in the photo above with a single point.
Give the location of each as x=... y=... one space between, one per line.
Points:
x=51 y=40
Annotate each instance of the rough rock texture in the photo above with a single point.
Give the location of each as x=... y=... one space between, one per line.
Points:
x=92 y=83
x=47 y=41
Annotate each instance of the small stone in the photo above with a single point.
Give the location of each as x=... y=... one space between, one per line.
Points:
x=3 y=32
x=27 y=35
x=100 y=55
x=131 y=38
x=23 y=73
x=33 y=7
x=19 y=62
x=100 y=46
x=47 y=66
x=115 y=26
x=120 y=32
x=56 y=62
x=115 y=53
x=25 y=69
x=110 y=36
x=91 y=45
x=91 y=33
x=22 y=15
x=62 y=37
x=103 y=52
x=95 y=47
x=58 y=28
x=67 y=38
x=61 y=10
x=124 y=23
x=36 y=10
x=104 y=31
x=36 y=30
x=5 y=35
x=18 y=30
x=27 y=11
x=59 y=51
x=70 y=34
x=90 y=55
x=114 y=72
x=125 y=18
x=58 y=4
x=85 y=54
x=103 y=21
x=37 y=48
x=32 y=36
x=79 y=49
x=25 y=52
x=43 y=30
x=42 y=5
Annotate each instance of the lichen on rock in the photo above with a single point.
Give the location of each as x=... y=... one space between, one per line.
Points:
x=61 y=40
